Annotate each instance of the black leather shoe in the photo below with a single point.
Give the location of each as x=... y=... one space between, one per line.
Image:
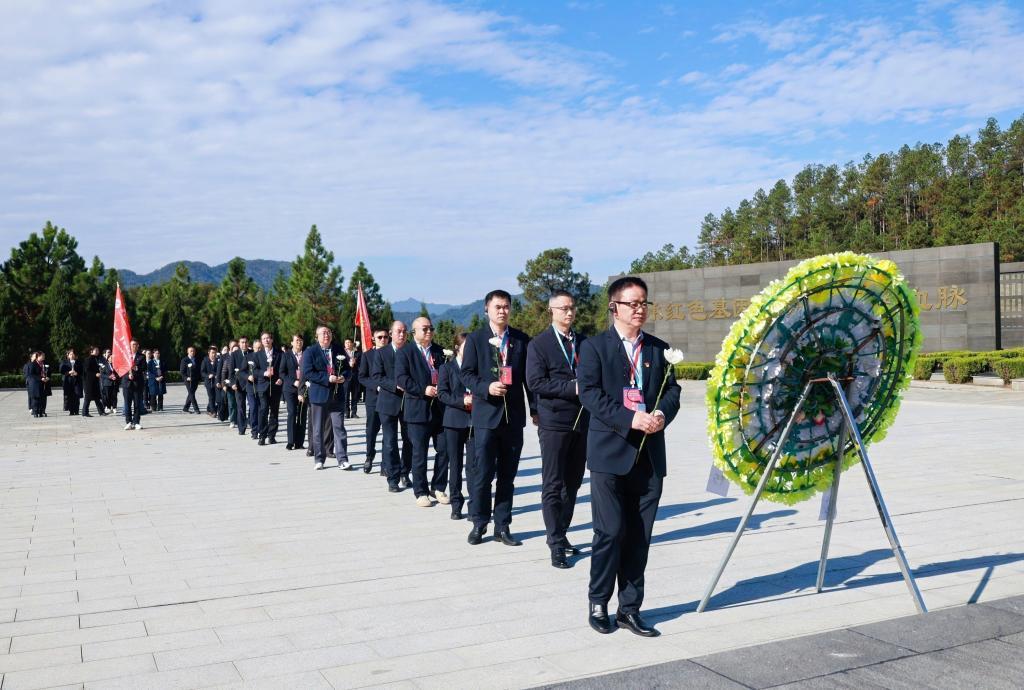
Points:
x=367 y=466
x=505 y=537
x=394 y=489
x=262 y=442
x=271 y=440
x=458 y=515
x=599 y=620
x=309 y=452
x=288 y=446
x=558 y=559
x=86 y=414
x=403 y=483
x=569 y=549
x=634 y=624
x=476 y=535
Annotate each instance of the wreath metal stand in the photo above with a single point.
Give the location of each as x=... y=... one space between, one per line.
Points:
x=848 y=427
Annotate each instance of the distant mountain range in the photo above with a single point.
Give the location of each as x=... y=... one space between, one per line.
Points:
x=263 y=271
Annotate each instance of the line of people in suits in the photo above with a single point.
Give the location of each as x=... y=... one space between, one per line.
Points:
x=601 y=403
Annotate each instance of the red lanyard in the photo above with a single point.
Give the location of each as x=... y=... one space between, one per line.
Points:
x=634 y=363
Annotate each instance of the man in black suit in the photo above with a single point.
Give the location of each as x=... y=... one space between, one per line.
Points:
x=325 y=367
x=267 y=385
x=71 y=381
x=227 y=382
x=380 y=340
x=389 y=408
x=29 y=371
x=494 y=368
x=191 y=377
x=294 y=392
x=209 y=373
x=352 y=385
x=240 y=371
x=108 y=381
x=620 y=374
x=416 y=372
x=551 y=365
x=91 y=383
x=134 y=384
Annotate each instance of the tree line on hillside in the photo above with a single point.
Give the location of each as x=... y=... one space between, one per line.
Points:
x=928 y=195
x=51 y=300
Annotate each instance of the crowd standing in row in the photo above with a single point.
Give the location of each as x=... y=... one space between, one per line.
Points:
x=601 y=402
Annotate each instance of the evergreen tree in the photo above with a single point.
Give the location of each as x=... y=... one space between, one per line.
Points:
x=550 y=271
x=315 y=295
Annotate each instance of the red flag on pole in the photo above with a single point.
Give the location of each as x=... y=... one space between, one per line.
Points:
x=122 y=347
x=363 y=320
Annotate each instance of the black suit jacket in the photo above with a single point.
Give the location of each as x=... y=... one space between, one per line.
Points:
x=265 y=360
x=72 y=384
x=314 y=371
x=480 y=362
x=366 y=377
x=34 y=379
x=241 y=370
x=195 y=373
x=413 y=376
x=603 y=372
x=288 y=371
x=106 y=371
x=210 y=371
x=92 y=368
x=553 y=381
x=451 y=391
x=389 y=398
x=137 y=373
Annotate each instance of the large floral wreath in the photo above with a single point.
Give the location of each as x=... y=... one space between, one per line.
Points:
x=846 y=314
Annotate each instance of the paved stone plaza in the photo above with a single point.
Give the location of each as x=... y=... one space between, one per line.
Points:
x=185 y=556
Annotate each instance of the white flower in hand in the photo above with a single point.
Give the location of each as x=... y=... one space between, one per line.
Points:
x=447 y=352
x=251 y=363
x=236 y=368
x=496 y=342
x=357 y=343
x=673 y=356
x=340 y=358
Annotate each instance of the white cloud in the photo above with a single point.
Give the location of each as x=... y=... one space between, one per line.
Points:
x=213 y=128
x=783 y=35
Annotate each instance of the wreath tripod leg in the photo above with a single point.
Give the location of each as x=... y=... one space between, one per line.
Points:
x=757 y=495
x=837 y=471
x=876 y=494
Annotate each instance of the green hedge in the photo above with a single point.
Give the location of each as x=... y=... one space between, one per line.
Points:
x=925 y=367
x=693 y=371
x=18 y=380
x=961 y=369
x=1009 y=369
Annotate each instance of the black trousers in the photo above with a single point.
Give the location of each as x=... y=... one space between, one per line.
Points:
x=372 y=428
x=92 y=395
x=254 y=411
x=269 y=411
x=455 y=441
x=352 y=393
x=132 y=404
x=295 y=424
x=190 y=397
x=212 y=399
x=395 y=465
x=109 y=395
x=563 y=460
x=624 y=508
x=420 y=435
x=241 y=416
x=39 y=404
x=497 y=456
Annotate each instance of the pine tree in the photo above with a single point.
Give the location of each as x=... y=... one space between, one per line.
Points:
x=315 y=295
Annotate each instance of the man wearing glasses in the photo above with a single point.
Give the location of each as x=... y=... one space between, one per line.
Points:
x=551 y=364
x=389 y=407
x=325 y=367
x=416 y=372
x=493 y=368
x=380 y=339
x=620 y=374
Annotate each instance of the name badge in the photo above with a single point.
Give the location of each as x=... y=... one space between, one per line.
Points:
x=505 y=375
x=633 y=399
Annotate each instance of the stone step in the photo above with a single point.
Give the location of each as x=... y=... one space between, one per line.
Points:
x=988 y=380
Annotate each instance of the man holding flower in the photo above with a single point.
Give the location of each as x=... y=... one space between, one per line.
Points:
x=325 y=368
x=627 y=385
x=493 y=368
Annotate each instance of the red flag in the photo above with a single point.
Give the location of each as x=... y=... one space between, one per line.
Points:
x=122 y=336
x=363 y=320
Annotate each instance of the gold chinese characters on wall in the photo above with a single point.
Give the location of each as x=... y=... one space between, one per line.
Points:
x=949 y=298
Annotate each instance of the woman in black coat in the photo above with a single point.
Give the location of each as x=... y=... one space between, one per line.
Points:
x=458 y=429
x=71 y=381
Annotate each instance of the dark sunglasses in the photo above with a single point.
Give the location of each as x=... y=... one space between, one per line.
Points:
x=427 y=328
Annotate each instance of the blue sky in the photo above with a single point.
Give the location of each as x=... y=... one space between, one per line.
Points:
x=445 y=144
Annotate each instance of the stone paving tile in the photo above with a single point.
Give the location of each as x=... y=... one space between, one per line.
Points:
x=312 y=680
x=940 y=629
x=193 y=677
x=55 y=675
x=77 y=637
x=214 y=534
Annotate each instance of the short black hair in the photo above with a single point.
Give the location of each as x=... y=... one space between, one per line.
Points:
x=493 y=294
x=620 y=284
x=561 y=293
